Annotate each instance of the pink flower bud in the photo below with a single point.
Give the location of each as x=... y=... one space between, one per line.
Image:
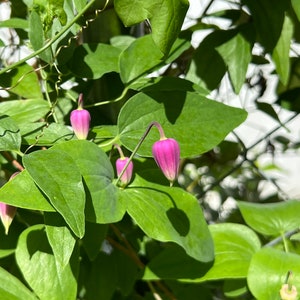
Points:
x=166 y=153
x=120 y=164
x=7 y=212
x=80 y=120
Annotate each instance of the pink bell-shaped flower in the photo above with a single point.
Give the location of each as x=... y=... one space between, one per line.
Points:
x=120 y=164
x=80 y=120
x=7 y=212
x=166 y=153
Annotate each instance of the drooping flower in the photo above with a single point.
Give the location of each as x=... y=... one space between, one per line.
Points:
x=7 y=212
x=80 y=120
x=166 y=153
x=120 y=164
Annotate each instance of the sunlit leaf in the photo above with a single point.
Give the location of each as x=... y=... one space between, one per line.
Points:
x=205 y=122
x=271 y=218
x=268 y=272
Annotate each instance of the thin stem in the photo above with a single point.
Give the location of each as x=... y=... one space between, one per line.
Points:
x=285 y=243
x=280 y=238
x=121 y=97
x=13 y=161
x=137 y=147
x=53 y=40
x=130 y=251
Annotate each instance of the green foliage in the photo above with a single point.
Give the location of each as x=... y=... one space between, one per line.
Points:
x=77 y=234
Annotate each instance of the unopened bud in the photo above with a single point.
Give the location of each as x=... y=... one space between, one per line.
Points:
x=166 y=153
x=80 y=120
x=7 y=212
x=120 y=164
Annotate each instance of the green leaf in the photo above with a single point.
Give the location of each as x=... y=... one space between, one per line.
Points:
x=271 y=218
x=36 y=35
x=10 y=137
x=40 y=269
x=22 y=192
x=15 y=23
x=205 y=122
x=235 y=244
x=53 y=171
x=269 y=110
x=264 y=13
x=44 y=134
x=207 y=66
x=167 y=21
x=166 y=18
x=268 y=272
x=22 y=81
x=169 y=215
x=60 y=238
x=296 y=7
x=102 y=203
x=24 y=111
x=98 y=59
x=141 y=57
x=237 y=55
x=12 y=288
x=281 y=53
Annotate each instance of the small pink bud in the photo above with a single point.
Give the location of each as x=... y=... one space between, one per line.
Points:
x=166 y=153
x=120 y=164
x=7 y=212
x=80 y=120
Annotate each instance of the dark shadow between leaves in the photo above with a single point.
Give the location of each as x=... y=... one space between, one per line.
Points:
x=174 y=263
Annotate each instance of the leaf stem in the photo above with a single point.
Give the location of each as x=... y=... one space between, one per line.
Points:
x=154 y=123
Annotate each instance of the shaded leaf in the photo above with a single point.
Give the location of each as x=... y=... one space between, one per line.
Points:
x=98 y=59
x=264 y=13
x=15 y=23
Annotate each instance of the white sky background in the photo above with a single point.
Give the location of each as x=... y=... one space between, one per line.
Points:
x=257 y=124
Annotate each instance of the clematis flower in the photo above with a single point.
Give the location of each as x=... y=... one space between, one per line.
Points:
x=166 y=153
x=80 y=120
x=7 y=212
x=120 y=164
